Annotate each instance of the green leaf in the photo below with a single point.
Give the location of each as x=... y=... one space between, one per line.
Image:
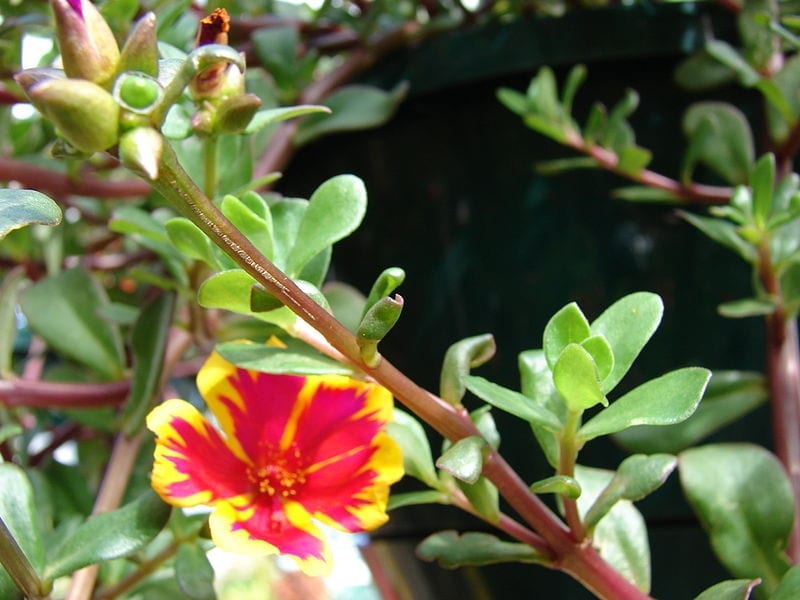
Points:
x=789 y=587
x=627 y=325
x=452 y=550
x=562 y=165
x=513 y=100
x=484 y=498
x=464 y=459
x=458 y=360
x=353 y=107
x=149 y=343
x=643 y=193
x=334 y=211
x=386 y=283
x=19 y=513
x=191 y=241
x=543 y=95
x=729 y=396
x=575 y=78
x=733 y=589
x=746 y=307
x=668 y=399
x=567 y=326
x=19 y=208
x=194 y=573
x=600 y=350
x=762 y=182
x=417 y=498
x=723 y=233
x=346 y=303
x=269 y=116
x=557 y=484
x=633 y=159
x=512 y=402
x=787 y=81
x=701 y=72
x=297 y=358
x=728 y=56
x=110 y=535
x=63 y=308
x=727 y=146
x=750 y=540
x=576 y=379
x=417 y=457
x=231 y=290
x=537 y=385
x=636 y=477
x=10 y=288
x=256 y=227
x=620 y=536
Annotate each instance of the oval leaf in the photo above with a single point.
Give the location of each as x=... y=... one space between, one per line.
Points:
x=749 y=478
x=19 y=208
x=464 y=459
x=194 y=573
x=452 y=550
x=110 y=535
x=734 y=589
x=296 y=358
x=512 y=402
x=567 y=326
x=668 y=399
x=417 y=457
x=575 y=377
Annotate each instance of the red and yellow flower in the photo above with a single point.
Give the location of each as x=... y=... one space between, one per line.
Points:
x=294 y=451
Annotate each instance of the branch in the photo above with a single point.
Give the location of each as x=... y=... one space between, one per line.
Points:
x=60 y=184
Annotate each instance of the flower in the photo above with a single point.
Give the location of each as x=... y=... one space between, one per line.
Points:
x=294 y=451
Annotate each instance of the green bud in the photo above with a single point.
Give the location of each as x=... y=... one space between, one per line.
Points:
x=88 y=47
x=378 y=322
x=236 y=112
x=140 y=52
x=29 y=77
x=137 y=91
x=86 y=115
x=203 y=121
x=140 y=150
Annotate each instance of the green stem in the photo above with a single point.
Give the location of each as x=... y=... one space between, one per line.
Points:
x=568 y=456
x=581 y=561
x=144 y=569
x=210 y=166
x=19 y=568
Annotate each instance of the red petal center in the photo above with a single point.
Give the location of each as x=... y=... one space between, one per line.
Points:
x=279 y=473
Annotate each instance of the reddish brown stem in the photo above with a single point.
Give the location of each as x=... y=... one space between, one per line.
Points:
x=49 y=394
x=59 y=184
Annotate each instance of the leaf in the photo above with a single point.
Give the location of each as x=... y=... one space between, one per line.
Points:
x=148 y=342
x=63 y=310
x=10 y=288
x=643 y=193
x=460 y=357
x=633 y=159
x=452 y=550
x=636 y=477
x=728 y=56
x=334 y=211
x=729 y=396
x=513 y=100
x=762 y=182
x=19 y=513
x=512 y=402
x=557 y=484
x=668 y=399
x=484 y=498
x=627 y=325
x=255 y=227
x=269 y=116
x=746 y=307
x=750 y=540
x=417 y=498
x=789 y=587
x=297 y=358
x=733 y=589
x=110 y=535
x=567 y=326
x=417 y=457
x=576 y=379
x=621 y=536
x=537 y=384
x=353 y=107
x=19 y=208
x=723 y=233
x=189 y=239
x=464 y=459
x=727 y=148
x=194 y=573
x=701 y=72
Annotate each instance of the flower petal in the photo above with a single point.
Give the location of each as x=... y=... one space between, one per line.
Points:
x=252 y=408
x=271 y=529
x=351 y=493
x=193 y=465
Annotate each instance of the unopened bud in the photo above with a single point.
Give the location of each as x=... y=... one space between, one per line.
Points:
x=376 y=323
x=140 y=150
x=220 y=79
x=236 y=112
x=30 y=77
x=140 y=52
x=86 y=115
x=88 y=47
x=136 y=91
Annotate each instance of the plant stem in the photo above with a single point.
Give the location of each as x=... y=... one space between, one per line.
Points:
x=568 y=456
x=18 y=567
x=783 y=376
x=112 y=488
x=146 y=568
x=580 y=560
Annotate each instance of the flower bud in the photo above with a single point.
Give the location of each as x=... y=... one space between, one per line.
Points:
x=29 y=77
x=136 y=92
x=140 y=52
x=85 y=114
x=140 y=150
x=88 y=47
x=236 y=112
x=220 y=79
